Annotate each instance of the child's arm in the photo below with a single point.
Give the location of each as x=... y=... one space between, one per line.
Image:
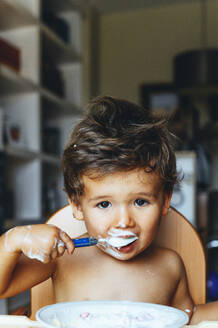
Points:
x=183 y=301
x=181 y=298
x=41 y=244
x=205 y=312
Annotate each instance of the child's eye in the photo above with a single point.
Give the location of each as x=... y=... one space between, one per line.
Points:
x=140 y=202
x=104 y=204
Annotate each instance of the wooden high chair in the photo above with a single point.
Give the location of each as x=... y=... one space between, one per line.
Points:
x=175 y=233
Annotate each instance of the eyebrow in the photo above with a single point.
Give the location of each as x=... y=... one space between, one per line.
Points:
x=146 y=194
x=98 y=198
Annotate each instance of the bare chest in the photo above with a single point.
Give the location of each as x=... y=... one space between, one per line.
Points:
x=111 y=280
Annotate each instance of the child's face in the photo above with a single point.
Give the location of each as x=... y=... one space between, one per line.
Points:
x=123 y=210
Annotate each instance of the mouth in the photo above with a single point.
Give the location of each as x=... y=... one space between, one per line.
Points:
x=119 y=242
x=119 y=233
x=126 y=248
x=122 y=243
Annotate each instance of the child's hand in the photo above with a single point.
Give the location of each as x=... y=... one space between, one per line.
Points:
x=43 y=242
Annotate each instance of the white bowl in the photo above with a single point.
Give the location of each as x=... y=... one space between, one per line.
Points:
x=110 y=314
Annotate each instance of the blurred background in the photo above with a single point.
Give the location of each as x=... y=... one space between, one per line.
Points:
x=55 y=55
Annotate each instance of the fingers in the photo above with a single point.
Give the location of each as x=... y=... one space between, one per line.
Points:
x=67 y=242
x=46 y=259
x=60 y=248
x=54 y=254
x=45 y=243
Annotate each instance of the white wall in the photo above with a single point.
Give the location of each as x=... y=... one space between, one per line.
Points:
x=138 y=46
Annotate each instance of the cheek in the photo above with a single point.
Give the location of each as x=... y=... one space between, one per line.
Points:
x=96 y=222
x=150 y=226
x=96 y=226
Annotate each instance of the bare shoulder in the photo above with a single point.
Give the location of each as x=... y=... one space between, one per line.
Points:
x=167 y=254
x=168 y=259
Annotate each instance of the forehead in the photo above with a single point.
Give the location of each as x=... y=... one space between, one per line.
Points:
x=134 y=178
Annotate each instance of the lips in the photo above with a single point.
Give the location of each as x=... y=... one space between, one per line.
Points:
x=121 y=233
x=125 y=249
x=121 y=241
x=118 y=239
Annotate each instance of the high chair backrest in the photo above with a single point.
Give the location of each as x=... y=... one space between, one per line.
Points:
x=175 y=233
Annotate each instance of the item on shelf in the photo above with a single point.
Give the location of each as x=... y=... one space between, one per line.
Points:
x=50 y=198
x=51 y=140
x=57 y=24
x=13 y=132
x=212 y=276
x=2 y=123
x=213 y=106
x=196 y=68
x=202 y=214
x=10 y=55
x=72 y=77
x=2 y=189
x=52 y=78
x=212 y=286
x=195 y=142
x=212 y=224
x=184 y=196
x=8 y=204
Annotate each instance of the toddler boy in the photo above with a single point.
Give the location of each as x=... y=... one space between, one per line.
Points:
x=119 y=172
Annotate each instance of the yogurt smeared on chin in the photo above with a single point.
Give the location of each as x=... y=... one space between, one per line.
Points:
x=117 y=238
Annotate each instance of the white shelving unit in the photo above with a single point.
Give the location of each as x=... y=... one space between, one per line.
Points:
x=27 y=103
x=20 y=13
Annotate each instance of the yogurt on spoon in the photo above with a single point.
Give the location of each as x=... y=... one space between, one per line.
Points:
x=117 y=238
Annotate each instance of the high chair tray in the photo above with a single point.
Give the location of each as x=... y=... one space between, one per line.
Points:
x=18 y=321
x=205 y=324
x=14 y=321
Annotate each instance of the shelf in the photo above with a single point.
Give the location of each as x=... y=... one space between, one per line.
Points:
x=20 y=153
x=59 y=103
x=51 y=159
x=59 y=6
x=14 y=15
x=26 y=155
x=12 y=82
x=57 y=48
x=200 y=91
x=15 y=222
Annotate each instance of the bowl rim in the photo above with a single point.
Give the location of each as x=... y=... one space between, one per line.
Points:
x=182 y=320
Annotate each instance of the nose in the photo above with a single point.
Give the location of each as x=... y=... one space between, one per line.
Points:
x=124 y=219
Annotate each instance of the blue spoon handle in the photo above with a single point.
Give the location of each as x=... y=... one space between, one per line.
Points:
x=83 y=242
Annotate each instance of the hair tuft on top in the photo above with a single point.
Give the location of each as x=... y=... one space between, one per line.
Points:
x=116 y=135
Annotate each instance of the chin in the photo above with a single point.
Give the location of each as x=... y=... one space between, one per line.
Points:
x=119 y=255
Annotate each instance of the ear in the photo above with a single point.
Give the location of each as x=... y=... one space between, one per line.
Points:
x=166 y=204
x=77 y=211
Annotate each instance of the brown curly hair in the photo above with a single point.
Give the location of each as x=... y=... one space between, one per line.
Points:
x=113 y=136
